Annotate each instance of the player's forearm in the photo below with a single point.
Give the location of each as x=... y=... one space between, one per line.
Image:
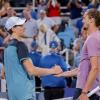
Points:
x=90 y=80
x=70 y=73
x=33 y=70
x=43 y=71
x=92 y=74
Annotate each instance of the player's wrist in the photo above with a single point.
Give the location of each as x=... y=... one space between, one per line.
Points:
x=84 y=92
x=51 y=71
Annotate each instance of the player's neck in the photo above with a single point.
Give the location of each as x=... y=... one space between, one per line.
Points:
x=92 y=30
x=14 y=36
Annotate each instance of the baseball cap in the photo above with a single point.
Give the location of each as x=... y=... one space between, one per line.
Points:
x=13 y=21
x=53 y=44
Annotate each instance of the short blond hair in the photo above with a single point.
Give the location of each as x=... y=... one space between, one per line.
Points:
x=43 y=26
x=93 y=13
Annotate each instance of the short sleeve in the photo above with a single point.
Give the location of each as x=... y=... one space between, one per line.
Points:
x=22 y=51
x=93 y=47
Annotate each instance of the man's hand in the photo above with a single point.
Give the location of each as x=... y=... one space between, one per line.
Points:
x=57 y=69
x=83 y=96
x=70 y=73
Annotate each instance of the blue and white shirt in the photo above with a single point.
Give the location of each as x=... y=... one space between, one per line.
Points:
x=19 y=85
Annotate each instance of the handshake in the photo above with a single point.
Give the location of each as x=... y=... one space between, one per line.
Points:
x=56 y=70
x=59 y=73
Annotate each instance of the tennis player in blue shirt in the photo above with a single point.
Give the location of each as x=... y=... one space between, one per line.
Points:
x=18 y=65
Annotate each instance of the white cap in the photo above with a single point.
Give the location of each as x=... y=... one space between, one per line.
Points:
x=12 y=21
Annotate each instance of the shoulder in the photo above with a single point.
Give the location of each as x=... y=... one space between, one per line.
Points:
x=94 y=37
x=20 y=43
x=17 y=44
x=56 y=55
x=93 y=40
x=13 y=42
x=48 y=56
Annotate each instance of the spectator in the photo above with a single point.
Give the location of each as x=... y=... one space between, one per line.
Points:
x=36 y=56
x=44 y=37
x=94 y=4
x=41 y=6
x=67 y=35
x=4 y=8
x=75 y=7
x=30 y=8
x=53 y=86
x=54 y=11
x=77 y=50
x=1 y=3
x=30 y=25
x=31 y=29
x=53 y=8
x=79 y=25
x=4 y=36
x=18 y=73
x=76 y=59
x=10 y=12
x=45 y=20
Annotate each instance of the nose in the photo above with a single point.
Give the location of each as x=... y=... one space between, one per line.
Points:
x=23 y=28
